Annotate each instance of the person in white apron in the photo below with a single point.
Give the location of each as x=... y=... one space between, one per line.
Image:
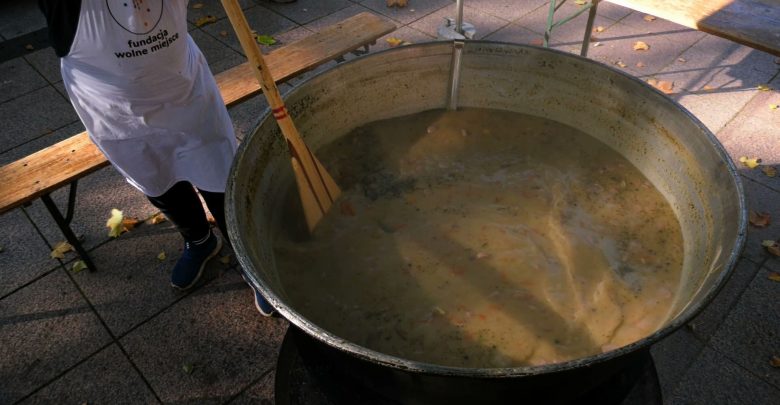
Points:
x=148 y=100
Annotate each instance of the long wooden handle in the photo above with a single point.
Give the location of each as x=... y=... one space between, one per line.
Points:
x=317 y=187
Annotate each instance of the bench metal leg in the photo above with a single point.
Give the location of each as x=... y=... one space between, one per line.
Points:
x=552 y=24
x=64 y=224
x=589 y=28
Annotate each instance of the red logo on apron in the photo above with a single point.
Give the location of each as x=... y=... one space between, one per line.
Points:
x=136 y=16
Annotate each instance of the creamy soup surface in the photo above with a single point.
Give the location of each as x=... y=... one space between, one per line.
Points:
x=484 y=238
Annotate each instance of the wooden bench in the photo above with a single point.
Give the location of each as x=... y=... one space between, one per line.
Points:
x=43 y=172
x=754 y=23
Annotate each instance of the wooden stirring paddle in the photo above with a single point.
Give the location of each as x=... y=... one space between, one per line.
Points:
x=316 y=186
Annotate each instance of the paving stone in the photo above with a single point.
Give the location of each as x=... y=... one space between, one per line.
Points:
x=17 y=77
x=716 y=108
x=568 y=35
x=203 y=8
x=261 y=392
x=613 y=11
x=340 y=15
x=25 y=255
x=305 y=11
x=407 y=34
x=761 y=199
x=707 y=322
x=773 y=264
x=131 y=283
x=286 y=38
x=673 y=356
x=19 y=17
x=405 y=15
x=261 y=19
x=509 y=10
x=714 y=379
x=218 y=332
x=720 y=65
x=754 y=133
x=516 y=33
x=40 y=143
x=45 y=329
x=105 y=378
x=216 y=53
x=246 y=116
x=665 y=47
x=98 y=193
x=23 y=121
x=749 y=334
x=46 y=62
x=484 y=23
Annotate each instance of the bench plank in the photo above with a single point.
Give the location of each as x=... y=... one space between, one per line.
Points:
x=755 y=23
x=285 y=63
x=60 y=164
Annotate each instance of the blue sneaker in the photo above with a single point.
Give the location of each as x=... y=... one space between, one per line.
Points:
x=188 y=269
x=262 y=305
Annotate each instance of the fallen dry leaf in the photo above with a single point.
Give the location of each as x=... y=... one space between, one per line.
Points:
x=393 y=41
x=773 y=106
x=114 y=223
x=763 y=87
x=775 y=362
x=265 y=40
x=595 y=44
x=60 y=249
x=648 y=17
x=129 y=223
x=759 y=219
x=157 y=218
x=537 y=42
x=580 y=2
x=600 y=29
x=769 y=171
x=641 y=46
x=397 y=3
x=774 y=276
x=772 y=247
x=640 y=65
x=620 y=63
x=29 y=47
x=223 y=33
x=682 y=60
x=197 y=6
x=78 y=266
x=225 y=259
x=205 y=20
x=665 y=86
x=751 y=163
x=707 y=87
x=161 y=256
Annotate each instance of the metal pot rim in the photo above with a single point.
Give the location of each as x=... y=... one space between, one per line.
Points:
x=507 y=372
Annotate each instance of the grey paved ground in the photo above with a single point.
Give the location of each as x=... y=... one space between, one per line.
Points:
x=122 y=336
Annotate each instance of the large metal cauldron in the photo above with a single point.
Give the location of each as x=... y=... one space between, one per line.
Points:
x=670 y=146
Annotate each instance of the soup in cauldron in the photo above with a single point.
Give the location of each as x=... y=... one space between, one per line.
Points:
x=484 y=238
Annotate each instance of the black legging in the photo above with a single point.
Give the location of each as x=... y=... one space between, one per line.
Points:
x=181 y=205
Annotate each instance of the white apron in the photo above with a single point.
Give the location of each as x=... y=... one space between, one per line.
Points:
x=144 y=92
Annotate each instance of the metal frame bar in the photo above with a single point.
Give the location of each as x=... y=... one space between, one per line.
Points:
x=589 y=27
x=551 y=23
x=64 y=223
